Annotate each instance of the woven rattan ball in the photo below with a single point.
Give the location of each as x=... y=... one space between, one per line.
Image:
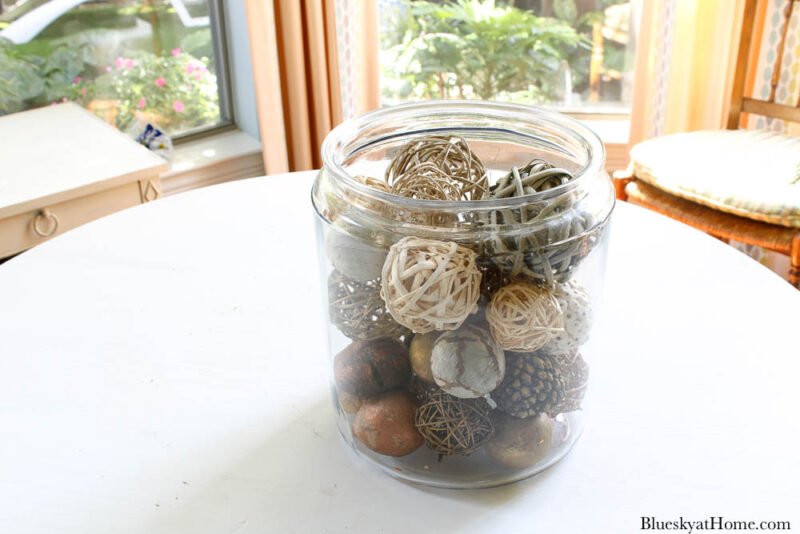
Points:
x=452 y=426
x=575 y=371
x=430 y=285
x=437 y=167
x=561 y=234
x=357 y=309
x=524 y=316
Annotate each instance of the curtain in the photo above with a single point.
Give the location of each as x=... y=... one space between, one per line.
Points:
x=296 y=73
x=684 y=66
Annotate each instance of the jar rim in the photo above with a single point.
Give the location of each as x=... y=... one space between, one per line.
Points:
x=344 y=133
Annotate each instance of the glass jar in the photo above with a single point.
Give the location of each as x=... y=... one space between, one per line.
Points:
x=456 y=327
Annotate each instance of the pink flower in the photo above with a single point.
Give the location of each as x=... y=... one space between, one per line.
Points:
x=176 y=51
x=54 y=103
x=198 y=76
x=188 y=87
x=108 y=69
x=120 y=62
x=83 y=91
x=128 y=63
x=77 y=79
x=160 y=82
x=189 y=68
x=178 y=106
x=142 y=102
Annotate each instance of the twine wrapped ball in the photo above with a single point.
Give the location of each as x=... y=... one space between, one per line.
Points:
x=468 y=363
x=563 y=235
x=358 y=311
x=451 y=426
x=575 y=372
x=437 y=167
x=524 y=317
x=430 y=285
x=577 y=311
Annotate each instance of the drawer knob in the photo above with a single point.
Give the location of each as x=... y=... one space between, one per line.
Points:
x=43 y=217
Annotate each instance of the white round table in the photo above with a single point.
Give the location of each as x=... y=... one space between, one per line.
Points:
x=164 y=370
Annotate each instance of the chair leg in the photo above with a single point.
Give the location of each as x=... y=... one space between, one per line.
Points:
x=794 y=268
x=621 y=179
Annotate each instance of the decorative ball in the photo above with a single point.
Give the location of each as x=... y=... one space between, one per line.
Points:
x=420 y=355
x=524 y=316
x=386 y=424
x=430 y=285
x=561 y=234
x=437 y=167
x=577 y=311
x=355 y=257
x=421 y=390
x=357 y=309
x=366 y=368
x=533 y=384
x=468 y=363
x=452 y=426
x=350 y=403
x=520 y=443
x=576 y=377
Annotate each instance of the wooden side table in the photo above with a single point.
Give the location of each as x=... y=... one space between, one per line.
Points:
x=60 y=167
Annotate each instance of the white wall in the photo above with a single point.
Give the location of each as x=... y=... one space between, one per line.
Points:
x=243 y=91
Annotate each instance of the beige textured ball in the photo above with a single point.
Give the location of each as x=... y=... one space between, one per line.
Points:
x=577 y=311
x=420 y=355
x=355 y=257
x=524 y=316
x=468 y=363
x=430 y=285
x=520 y=443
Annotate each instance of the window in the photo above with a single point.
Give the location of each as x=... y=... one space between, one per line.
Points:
x=574 y=55
x=128 y=61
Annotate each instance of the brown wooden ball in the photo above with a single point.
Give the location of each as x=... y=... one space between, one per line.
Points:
x=386 y=424
x=350 y=403
x=520 y=443
x=420 y=355
x=367 y=368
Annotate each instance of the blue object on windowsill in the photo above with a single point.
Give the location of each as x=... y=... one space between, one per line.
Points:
x=155 y=140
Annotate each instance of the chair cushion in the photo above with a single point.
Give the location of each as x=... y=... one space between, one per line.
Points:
x=750 y=173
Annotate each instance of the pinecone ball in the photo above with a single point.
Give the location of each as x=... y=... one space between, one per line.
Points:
x=577 y=312
x=533 y=384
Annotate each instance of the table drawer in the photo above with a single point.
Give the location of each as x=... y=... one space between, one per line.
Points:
x=23 y=231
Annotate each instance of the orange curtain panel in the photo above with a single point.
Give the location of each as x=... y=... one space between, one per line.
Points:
x=296 y=71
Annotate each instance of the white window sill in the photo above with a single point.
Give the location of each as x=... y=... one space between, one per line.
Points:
x=615 y=133
x=212 y=160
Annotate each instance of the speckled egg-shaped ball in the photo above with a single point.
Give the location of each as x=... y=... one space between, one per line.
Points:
x=420 y=355
x=386 y=424
x=467 y=363
x=366 y=368
x=577 y=312
x=520 y=443
x=354 y=256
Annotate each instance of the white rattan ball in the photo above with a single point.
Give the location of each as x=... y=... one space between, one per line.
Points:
x=524 y=316
x=430 y=285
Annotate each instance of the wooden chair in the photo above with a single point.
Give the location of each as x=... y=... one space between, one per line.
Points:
x=780 y=238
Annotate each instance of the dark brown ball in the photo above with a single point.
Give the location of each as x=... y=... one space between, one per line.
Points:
x=386 y=424
x=367 y=368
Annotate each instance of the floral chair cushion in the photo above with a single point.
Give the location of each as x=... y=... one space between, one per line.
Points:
x=750 y=173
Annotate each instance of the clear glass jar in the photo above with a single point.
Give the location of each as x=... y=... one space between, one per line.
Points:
x=456 y=327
